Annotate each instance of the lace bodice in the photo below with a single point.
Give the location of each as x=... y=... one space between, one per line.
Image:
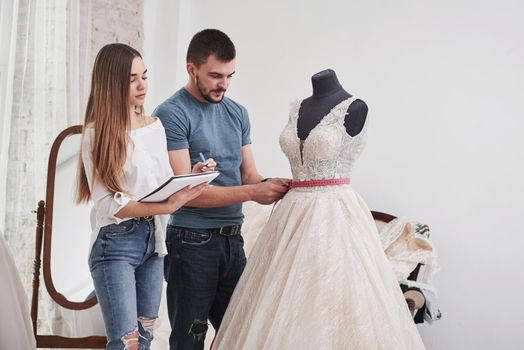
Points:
x=329 y=152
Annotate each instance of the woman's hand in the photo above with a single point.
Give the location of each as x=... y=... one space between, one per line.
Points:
x=180 y=198
x=209 y=165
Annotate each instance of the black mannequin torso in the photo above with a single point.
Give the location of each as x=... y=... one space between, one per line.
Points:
x=327 y=93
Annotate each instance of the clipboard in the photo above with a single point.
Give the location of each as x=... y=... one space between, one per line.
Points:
x=176 y=183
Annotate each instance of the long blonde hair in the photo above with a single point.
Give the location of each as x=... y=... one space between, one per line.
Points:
x=108 y=113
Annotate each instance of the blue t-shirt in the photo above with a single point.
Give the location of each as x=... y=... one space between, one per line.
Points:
x=218 y=130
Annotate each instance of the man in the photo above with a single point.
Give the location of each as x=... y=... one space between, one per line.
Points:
x=205 y=249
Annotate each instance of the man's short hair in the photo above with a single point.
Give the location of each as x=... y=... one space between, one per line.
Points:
x=210 y=42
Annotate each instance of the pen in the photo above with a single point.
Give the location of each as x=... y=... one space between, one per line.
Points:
x=203 y=160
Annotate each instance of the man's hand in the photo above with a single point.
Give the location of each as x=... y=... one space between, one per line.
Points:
x=280 y=181
x=200 y=167
x=270 y=191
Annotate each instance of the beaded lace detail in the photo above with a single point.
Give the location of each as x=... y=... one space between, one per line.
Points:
x=328 y=152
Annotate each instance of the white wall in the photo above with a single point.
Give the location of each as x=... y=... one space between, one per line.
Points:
x=167 y=34
x=159 y=49
x=443 y=82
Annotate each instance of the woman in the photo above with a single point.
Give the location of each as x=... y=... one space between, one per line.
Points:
x=124 y=156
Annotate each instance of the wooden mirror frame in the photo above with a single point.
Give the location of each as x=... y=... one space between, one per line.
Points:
x=44 y=231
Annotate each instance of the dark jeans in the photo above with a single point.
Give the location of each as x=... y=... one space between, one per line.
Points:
x=202 y=269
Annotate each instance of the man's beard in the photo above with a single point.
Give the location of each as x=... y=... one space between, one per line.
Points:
x=207 y=96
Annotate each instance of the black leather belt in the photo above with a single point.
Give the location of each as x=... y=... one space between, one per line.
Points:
x=232 y=230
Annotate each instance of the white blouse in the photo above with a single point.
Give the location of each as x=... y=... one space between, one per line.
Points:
x=146 y=167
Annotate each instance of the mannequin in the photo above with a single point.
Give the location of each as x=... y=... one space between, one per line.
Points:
x=288 y=299
x=327 y=93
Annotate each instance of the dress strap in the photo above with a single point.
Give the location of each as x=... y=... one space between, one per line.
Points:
x=341 y=110
x=293 y=111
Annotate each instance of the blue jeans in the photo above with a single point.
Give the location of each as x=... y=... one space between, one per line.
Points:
x=127 y=274
x=202 y=269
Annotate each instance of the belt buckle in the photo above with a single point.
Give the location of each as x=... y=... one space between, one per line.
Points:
x=149 y=217
x=220 y=232
x=232 y=231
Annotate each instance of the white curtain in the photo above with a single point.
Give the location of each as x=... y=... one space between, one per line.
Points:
x=47 y=94
x=56 y=42
x=8 y=21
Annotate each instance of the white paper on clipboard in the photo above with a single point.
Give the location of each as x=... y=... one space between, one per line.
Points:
x=176 y=183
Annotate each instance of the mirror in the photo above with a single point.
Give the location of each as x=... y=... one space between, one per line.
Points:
x=63 y=234
x=71 y=231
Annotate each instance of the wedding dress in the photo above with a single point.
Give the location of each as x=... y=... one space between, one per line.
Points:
x=317 y=277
